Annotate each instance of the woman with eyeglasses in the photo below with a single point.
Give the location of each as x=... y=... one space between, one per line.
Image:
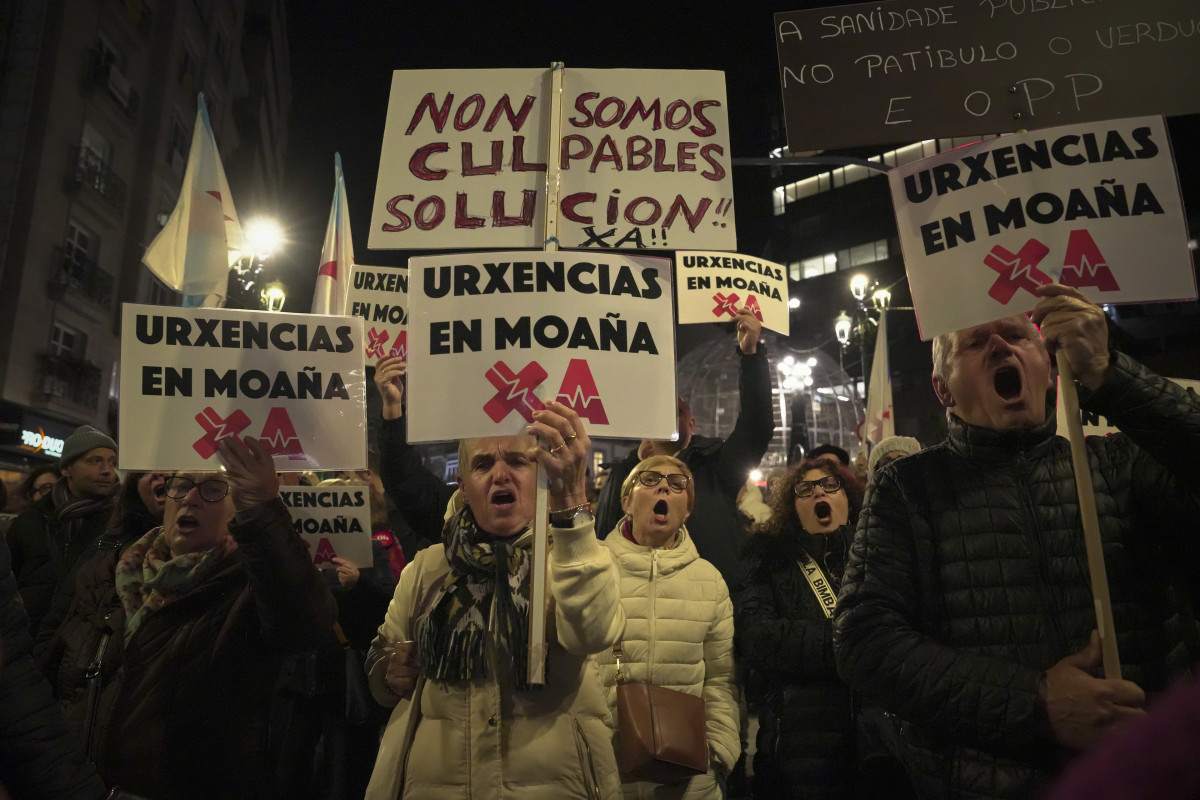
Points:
x=679 y=628
x=806 y=735
x=190 y=629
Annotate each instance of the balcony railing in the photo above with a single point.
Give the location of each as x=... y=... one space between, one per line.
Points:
x=104 y=74
x=75 y=380
x=87 y=168
x=79 y=272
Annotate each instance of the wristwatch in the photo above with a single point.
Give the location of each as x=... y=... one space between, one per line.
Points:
x=571 y=518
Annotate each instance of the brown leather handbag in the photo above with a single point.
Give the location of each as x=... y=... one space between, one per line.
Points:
x=661 y=733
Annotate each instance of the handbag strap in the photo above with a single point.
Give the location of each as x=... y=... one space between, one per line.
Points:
x=818 y=583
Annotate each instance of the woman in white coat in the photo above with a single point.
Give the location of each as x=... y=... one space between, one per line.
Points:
x=679 y=619
x=466 y=724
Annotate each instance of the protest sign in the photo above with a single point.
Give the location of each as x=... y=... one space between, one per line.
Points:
x=333 y=521
x=713 y=287
x=877 y=73
x=380 y=296
x=193 y=376
x=1093 y=206
x=1096 y=425
x=644 y=156
x=492 y=335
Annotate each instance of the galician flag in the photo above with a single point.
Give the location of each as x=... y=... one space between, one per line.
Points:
x=203 y=237
x=337 y=254
x=879 y=424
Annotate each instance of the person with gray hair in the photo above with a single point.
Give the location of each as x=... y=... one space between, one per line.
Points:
x=966 y=607
x=889 y=450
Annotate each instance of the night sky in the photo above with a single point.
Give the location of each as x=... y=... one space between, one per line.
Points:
x=343 y=55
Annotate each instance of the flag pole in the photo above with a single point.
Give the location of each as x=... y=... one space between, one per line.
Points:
x=538 y=601
x=1089 y=519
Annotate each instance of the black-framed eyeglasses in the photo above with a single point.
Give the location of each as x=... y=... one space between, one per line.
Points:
x=830 y=483
x=212 y=490
x=43 y=490
x=651 y=478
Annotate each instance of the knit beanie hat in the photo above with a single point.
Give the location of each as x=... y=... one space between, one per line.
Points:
x=84 y=438
x=905 y=444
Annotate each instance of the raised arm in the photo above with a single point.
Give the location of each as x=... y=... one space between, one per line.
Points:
x=755 y=425
x=294 y=605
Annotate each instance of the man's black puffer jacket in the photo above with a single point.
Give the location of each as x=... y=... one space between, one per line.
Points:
x=968 y=578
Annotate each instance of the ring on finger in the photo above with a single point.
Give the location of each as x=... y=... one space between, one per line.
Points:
x=572 y=436
x=555 y=449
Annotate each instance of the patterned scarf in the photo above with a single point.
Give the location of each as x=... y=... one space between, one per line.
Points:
x=70 y=512
x=148 y=577
x=488 y=575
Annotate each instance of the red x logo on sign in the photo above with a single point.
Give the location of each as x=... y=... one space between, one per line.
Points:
x=216 y=429
x=375 y=342
x=515 y=390
x=725 y=305
x=1017 y=271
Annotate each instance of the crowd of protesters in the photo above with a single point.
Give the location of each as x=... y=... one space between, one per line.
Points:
x=918 y=623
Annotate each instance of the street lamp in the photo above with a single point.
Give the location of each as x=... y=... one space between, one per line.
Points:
x=881 y=299
x=273 y=296
x=858 y=286
x=263 y=236
x=841 y=328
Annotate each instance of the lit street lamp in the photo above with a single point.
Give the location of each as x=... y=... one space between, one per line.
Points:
x=273 y=296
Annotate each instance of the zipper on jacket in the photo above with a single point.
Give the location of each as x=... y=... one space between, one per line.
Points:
x=1045 y=588
x=590 y=782
x=652 y=616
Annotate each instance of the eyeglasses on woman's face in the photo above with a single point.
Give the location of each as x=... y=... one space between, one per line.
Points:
x=829 y=484
x=212 y=490
x=650 y=478
x=41 y=490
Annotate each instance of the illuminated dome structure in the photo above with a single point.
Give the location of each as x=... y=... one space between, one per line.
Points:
x=813 y=400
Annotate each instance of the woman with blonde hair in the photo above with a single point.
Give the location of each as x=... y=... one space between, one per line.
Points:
x=679 y=619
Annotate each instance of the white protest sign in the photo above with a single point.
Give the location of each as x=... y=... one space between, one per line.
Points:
x=645 y=159
x=644 y=156
x=492 y=335
x=333 y=521
x=1095 y=206
x=1096 y=425
x=380 y=296
x=713 y=287
x=193 y=376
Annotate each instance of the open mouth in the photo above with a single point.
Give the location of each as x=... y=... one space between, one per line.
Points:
x=503 y=498
x=160 y=491
x=1007 y=382
x=660 y=511
x=186 y=523
x=824 y=512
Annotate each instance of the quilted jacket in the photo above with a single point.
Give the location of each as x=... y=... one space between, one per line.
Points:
x=968 y=578
x=678 y=634
x=482 y=739
x=806 y=732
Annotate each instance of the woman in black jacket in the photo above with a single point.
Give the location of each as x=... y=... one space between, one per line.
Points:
x=794 y=561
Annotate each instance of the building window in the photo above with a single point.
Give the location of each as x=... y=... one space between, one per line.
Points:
x=160 y=295
x=177 y=146
x=67 y=342
x=858 y=256
x=81 y=246
x=189 y=69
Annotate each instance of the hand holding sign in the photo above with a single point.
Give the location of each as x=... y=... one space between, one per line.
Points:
x=389 y=372
x=749 y=330
x=1071 y=322
x=564 y=455
x=347 y=573
x=250 y=471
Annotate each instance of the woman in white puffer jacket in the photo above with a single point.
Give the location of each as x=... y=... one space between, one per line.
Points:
x=679 y=629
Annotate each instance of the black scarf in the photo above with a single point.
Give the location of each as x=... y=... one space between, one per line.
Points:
x=70 y=512
x=489 y=577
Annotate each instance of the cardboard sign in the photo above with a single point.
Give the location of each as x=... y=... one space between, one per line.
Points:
x=713 y=287
x=644 y=156
x=333 y=521
x=1092 y=206
x=1096 y=425
x=492 y=335
x=193 y=376
x=887 y=72
x=380 y=296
